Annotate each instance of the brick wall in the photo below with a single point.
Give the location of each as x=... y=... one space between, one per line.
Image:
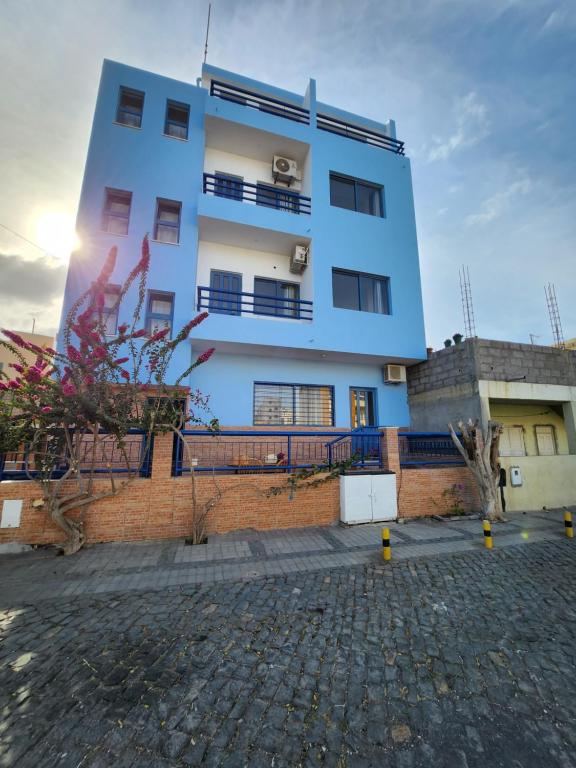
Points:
x=160 y=507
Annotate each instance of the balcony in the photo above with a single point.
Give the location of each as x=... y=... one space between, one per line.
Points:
x=232 y=188
x=349 y=131
x=224 y=302
x=266 y=104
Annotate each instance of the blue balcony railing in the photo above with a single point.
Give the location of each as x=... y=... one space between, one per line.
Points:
x=240 y=452
x=349 y=131
x=234 y=188
x=135 y=455
x=427 y=448
x=260 y=102
x=223 y=302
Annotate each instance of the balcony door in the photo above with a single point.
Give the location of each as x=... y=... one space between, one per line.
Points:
x=225 y=293
x=275 y=297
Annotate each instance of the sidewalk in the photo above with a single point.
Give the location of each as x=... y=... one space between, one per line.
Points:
x=143 y=566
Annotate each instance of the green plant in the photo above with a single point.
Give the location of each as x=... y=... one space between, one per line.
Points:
x=70 y=409
x=452 y=501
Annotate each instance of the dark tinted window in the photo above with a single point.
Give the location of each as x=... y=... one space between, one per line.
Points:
x=366 y=293
x=342 y=193
x=130 y=106
x=356 y=195
x=177 y=120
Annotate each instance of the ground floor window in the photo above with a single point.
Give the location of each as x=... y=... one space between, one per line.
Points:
x=512 y=442
x=293 y=405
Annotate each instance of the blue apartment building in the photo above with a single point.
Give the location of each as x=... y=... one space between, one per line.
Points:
x=290 y=221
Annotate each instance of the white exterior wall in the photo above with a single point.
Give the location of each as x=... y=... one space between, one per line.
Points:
x=251 y=171
x=249 y=264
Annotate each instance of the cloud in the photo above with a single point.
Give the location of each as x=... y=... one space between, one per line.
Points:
x=494 y=206
x=30 y=292
x=472 y=125
x=30 y=280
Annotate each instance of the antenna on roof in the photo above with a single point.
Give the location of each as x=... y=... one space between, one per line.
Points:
x=207 y=31
x=467 y=306
x=553 y=312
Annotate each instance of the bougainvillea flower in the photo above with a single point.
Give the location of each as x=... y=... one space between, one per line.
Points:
x=100 y=353
x=13 y=384
x=46 y=409
x=205 y=356
x=15 y=338
x=159 y=335
x=69 y=389
x=121 y=360
x=138 y=334
x=125 y=375
x=17 y=367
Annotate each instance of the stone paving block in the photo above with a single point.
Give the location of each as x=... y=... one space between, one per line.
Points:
x=289 y=543
x=429 y=530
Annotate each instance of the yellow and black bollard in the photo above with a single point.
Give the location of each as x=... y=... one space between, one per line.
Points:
x=568 y=524
x=386 y=549
x=487 y=534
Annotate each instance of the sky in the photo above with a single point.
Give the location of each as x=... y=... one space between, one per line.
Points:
x=483 y=93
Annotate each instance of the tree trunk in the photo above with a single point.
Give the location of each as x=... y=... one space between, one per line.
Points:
x=479 y=449
x=74 y=530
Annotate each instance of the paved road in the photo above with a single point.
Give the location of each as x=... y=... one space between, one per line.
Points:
x=459 y=660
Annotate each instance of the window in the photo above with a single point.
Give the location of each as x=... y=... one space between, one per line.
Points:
x=293 y=404
x=274 y=297
x=225 y=292
x=362 y=407
x=116 y=216
x=159 y=312
x=545 y=440
x=109 y=316
x=226 y=185
x=167 y=227
x=366 y=293
x=356 y=195
x=512 y=442
x=130 y=107
x=177 y=116
x=274 y=197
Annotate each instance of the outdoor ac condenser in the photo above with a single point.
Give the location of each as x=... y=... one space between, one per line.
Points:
x=394 y=374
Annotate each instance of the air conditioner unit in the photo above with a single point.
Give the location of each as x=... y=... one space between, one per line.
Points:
x=286 y=170
x=394 y=374
x=299 y=259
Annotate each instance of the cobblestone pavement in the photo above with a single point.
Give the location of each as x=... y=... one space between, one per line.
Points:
x=150 y=565
x=463 y=660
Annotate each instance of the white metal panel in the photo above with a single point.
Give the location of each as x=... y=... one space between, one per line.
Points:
x=11 y=512
x=384 y=498
x=355 y=499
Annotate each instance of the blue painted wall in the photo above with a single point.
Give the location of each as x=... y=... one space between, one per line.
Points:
x=151 y=165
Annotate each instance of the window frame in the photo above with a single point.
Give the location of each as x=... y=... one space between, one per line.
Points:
x=294 y=306
x=123 y=89
x=279 y=198
x=151 y=295
x=294 y=386
x=373 y=392
x=160 y=223
x=107 y=214
x=523 y=436
x=235 y=191
x=111 y=289
x=552 y=429
x=378 y=188
x=167 y=122
x=366 y=275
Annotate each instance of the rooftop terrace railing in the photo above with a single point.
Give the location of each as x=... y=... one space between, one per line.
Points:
x=282 y=199
x=349 y=131
x=224 y=302
x=258 y=101
x=262 y=452
x=427 y=448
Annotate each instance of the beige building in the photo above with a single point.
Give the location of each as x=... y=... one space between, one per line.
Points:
x=6 y=357
x=530 y=389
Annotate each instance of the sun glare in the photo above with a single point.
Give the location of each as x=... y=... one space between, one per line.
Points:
x=55 y=233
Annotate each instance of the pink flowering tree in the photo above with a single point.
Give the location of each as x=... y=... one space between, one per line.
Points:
x=69 y=418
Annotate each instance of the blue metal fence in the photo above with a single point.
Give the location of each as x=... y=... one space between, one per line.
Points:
x=20 y=464
x=223 y=302
x=259 y=101
x=283 y=199
x=240 y=451
x=427 y=448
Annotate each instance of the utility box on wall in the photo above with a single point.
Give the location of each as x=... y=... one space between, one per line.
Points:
x=368 y=497
x=515 y=477
x=11 y=512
